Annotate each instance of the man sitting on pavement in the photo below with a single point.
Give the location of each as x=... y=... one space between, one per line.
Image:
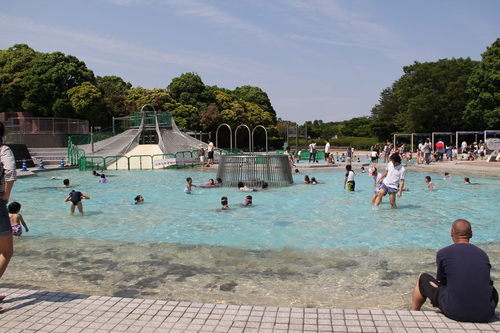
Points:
x=462 y=289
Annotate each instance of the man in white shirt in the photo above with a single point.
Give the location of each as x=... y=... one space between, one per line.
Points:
x=327 y=149
x=393 y=181
x=210 y=152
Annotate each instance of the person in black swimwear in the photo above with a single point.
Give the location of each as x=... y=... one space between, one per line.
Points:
x=75 y=198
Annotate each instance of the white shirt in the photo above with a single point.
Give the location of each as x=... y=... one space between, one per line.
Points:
x=7 y=166
x=327 y=147
x=394 y=174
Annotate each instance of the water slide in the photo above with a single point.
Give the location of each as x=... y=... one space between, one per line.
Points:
x=116 y=145
x=137 y=158
x=170 y=141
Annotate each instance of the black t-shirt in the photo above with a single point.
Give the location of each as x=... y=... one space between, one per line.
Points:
x=468 y=296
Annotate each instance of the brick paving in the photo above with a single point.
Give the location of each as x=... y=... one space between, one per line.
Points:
x=43 y=311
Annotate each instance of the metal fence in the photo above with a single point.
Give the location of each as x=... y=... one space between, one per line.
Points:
x=38 y=125
x=254 y=170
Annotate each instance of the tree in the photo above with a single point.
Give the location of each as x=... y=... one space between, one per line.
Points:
x=429 y=97
x=187 y=88
x=47 y=83
x=159 y=98
x=257 y=96
x=186 y=116
x=211 y=118
x=87 y=101
x=15 y=65
x=483 y=88
x=359 y=126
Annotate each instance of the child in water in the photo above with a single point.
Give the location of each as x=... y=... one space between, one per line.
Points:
x=102 y=179
x=189 y=185
x=16 y=219
x=349 y=178
x=224 y=204
x=248 y=202
x=76 y=201
x=138 y=199
x=376 y=179
x=430 y=186
x=65 y=184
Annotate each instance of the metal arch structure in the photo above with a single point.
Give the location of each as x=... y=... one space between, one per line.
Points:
x=142 y=108
x=249 y=137
x=265 y=130
x=230 y=136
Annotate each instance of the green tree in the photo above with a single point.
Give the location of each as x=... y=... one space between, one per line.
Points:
x=359 y=127
x=429 y=97
x=187 y=88
x=257 y=96
x=15 y=65
x=159 y=98
x=87 y=101
x=50 y=77
x=186 y=116
x=483 y=87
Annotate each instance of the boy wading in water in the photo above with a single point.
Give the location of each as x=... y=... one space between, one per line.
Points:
x=392 y=181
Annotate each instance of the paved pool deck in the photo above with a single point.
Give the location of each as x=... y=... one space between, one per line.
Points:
x=26 y=310
x=44 y=311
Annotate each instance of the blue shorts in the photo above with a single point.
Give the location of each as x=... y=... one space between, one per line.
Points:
x=387 y=189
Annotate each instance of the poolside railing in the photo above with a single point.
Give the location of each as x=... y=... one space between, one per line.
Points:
x=178 y=160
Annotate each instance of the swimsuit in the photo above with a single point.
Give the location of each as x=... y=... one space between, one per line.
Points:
x=17 y=230
x=187 y=190
x=76 y=197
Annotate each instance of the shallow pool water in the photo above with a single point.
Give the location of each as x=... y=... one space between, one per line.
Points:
x=297 y=216
x=301 y=245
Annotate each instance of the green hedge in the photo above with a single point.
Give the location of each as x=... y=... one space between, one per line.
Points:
x=356 y=143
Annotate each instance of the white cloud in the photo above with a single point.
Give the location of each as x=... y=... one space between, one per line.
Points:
x=112 y=47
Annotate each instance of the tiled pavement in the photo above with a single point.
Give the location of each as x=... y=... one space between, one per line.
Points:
x=42 y=311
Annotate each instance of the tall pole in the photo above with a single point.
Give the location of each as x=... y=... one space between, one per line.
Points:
x=297 y=138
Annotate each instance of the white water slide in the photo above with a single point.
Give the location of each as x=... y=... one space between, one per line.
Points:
x=170 y=141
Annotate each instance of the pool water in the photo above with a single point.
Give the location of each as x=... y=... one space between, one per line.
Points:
x=301 y=245
x=298 y=216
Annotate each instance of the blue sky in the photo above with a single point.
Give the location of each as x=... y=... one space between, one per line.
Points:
x=316 y=59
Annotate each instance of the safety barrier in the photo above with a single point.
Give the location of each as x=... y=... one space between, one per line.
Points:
x=144 y=162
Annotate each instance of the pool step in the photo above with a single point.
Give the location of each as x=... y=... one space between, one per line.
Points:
x=49 y=156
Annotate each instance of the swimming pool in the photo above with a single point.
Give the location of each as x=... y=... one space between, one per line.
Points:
x=301 y=245
x=297 y=216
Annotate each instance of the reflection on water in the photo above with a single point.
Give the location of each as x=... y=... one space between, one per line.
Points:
x=333 y=278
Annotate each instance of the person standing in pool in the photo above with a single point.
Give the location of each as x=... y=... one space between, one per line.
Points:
x=349 y=178
x=392 y=179
x=189 y=185
x=75 y=198
x=16 y=219
x=7 y=179
x=462 y=289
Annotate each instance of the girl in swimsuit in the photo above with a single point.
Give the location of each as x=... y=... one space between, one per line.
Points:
x=76 y=200
x=16 y=219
